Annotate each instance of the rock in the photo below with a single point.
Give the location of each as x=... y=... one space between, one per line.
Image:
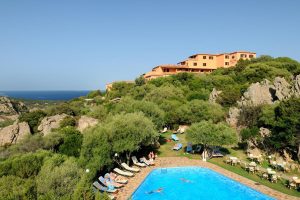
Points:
x=10 y=107
x=214 y=95
x=258 y=94
x=286 y=156
x=8 y=117
x=86 y=122
x=264 y=132
x=296 y=87
x=49 y=123
x=233 y=116
x=282 y=88
x=14 y=133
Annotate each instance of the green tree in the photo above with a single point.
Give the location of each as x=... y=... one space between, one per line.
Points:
x=96 y=151
x=13 y=187
x=286 y=132
x=24 y=166
x=203 y=110
x=140 y=81
x=72 y=141
x=58 y=178
x=129 y=132
x=148 y=108
x=160 y=94
x=208 y=133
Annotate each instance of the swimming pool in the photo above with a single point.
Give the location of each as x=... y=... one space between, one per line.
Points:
x=187 y=183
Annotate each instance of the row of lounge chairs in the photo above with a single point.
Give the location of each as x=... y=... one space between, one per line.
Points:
x=111 y=181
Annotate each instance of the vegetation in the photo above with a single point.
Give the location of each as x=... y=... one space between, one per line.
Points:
x=33 y=119
x=130 y=115
x=208 y=133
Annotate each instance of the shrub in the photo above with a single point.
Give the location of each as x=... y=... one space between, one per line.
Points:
x=67 y=121
x=33 y=119
x=72 y=141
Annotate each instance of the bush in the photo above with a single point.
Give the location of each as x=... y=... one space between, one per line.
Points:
x=72 y=141
x=93 y=94
x=33 y=119
x=67 y=121
x=13 y=187
x=58 y=178
x=25 y=166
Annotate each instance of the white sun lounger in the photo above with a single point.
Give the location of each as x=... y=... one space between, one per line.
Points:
x=123 y=173
x=132 y=169
x=137 y=163
x=164 y=130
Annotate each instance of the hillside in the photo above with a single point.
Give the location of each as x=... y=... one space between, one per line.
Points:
x=85 y=133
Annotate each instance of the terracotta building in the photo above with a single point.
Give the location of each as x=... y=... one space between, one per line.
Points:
x=200 y=63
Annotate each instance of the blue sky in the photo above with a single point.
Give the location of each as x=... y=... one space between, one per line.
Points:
x=77 y=44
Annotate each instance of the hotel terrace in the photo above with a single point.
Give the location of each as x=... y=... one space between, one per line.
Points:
x=200 y=63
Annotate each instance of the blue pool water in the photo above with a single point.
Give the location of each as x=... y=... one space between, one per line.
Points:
x=194 y=183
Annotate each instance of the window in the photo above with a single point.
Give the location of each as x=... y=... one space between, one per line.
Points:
x=242 y=55
x=211 y=57
x=195 y=64
x=204 y=57
x=250 y=56
x=232 y=57
x=202 y=70
x=226 y=63
x=226 y=57
x=166 y=70
x=204 y=64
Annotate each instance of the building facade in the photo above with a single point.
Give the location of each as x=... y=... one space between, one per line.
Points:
x=200 y=63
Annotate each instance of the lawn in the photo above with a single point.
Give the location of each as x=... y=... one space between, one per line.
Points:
x=165 y=150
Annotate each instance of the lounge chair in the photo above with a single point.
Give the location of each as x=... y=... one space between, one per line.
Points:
x=103 y=181
x=123 y=173
x=137 y=163
x=103 y=189
x=216 y=153
x=164 y=130
x=147 y=162
x=174 y=137
x=177 y=146
x=114 y=177
x=131 y=169
x=189 y=148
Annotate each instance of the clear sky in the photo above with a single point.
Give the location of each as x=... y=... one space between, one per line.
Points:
x=80 y=44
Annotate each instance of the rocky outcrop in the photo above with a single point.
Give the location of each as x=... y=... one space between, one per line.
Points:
x=14 y=133
x=213 y=96
x=282 y=88
x=296 y=86
x=233 y=116
x=264 y=92
x=49 y=123
x=258 y=94
x=85 y=122
x=9 y=107
x=264 y=132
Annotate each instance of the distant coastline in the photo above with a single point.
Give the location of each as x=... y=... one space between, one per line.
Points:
x=45 y=95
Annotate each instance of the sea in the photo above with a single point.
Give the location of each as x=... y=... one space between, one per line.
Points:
x=44 y=95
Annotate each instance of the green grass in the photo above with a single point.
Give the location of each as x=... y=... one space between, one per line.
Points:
x=279 y=186
x=165 y=150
